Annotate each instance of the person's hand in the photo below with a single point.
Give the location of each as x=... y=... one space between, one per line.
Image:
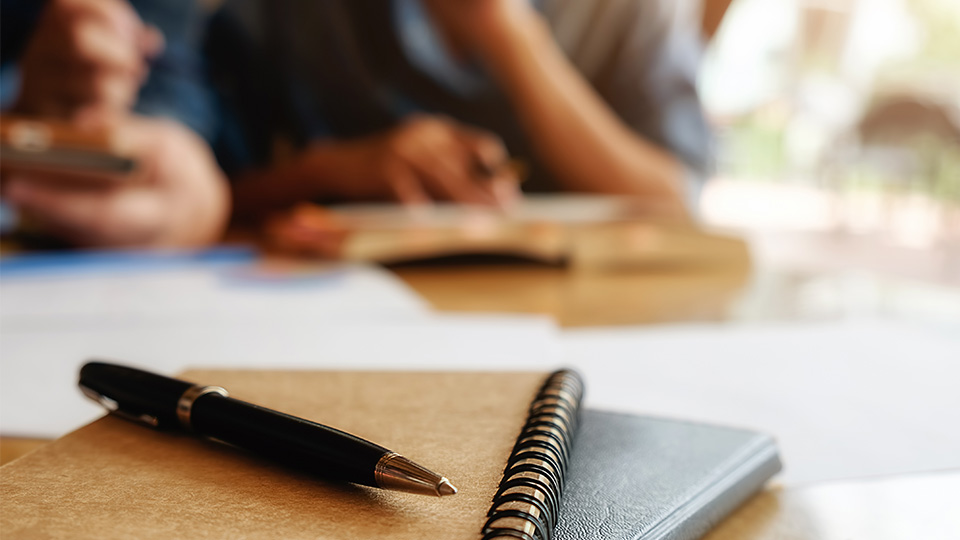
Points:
x=87 y=58
x=177 y=196
x=424 y=159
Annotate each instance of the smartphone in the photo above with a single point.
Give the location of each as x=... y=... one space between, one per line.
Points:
x=56 y=147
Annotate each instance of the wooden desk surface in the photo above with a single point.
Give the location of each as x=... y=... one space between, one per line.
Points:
x=896 y=508
x=878 y=509
x=586 y=298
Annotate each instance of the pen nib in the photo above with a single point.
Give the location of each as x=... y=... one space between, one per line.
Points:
x=446 y=488
x=400 y=474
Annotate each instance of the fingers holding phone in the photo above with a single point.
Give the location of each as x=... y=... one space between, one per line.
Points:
x=50 y=148
x=174 y=195
x=86 y=57
x=63 y=180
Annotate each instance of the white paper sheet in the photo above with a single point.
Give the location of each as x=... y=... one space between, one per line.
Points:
x=200 y=292
x=844 y=400
x=39 y=395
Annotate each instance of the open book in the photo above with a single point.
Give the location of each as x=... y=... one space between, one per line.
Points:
x=502 y=439
x=583 y=231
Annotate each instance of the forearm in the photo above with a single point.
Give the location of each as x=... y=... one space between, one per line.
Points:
x=423 y=158
x=257 y=193
x=311 y=175
x=585 y=145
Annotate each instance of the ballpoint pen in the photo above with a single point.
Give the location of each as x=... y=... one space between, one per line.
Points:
x=208 y=411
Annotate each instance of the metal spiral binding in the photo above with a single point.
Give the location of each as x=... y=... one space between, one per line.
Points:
x=527 y=502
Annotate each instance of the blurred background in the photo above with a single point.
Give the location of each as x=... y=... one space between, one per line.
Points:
x=838 y=132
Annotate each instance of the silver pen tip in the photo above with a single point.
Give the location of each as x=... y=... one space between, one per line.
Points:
x=446 y=488
x=398 y=473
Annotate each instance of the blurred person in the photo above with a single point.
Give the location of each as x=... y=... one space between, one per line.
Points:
x=85 y=62
x=415 y=101
x=404 y=99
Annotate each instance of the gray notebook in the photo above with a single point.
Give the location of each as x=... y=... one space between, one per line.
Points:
x=642 y=478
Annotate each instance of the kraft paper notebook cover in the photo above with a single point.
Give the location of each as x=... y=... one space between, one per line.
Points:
x=628 y=476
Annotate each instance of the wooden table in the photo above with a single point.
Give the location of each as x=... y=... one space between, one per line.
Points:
x=586 y=298
x=895 y=508
x=875 y=509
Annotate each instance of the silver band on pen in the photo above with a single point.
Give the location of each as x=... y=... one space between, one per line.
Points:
x=185 y=403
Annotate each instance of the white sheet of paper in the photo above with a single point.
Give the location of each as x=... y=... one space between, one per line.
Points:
x=844 y=400
x=201 y=292
x=38 y=382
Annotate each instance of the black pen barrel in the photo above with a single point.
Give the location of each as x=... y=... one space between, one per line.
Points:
x=288 y=440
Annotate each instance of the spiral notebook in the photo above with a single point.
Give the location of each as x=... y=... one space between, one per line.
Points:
x=509 y=441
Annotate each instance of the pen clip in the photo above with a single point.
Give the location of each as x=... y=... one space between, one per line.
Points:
x=113 y=407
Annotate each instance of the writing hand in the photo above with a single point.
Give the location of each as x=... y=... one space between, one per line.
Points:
x=426 y=158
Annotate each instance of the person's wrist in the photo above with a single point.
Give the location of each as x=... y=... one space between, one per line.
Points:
x=319 y=165
x=506 y=30
x=335 y=169
x=479 y=27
